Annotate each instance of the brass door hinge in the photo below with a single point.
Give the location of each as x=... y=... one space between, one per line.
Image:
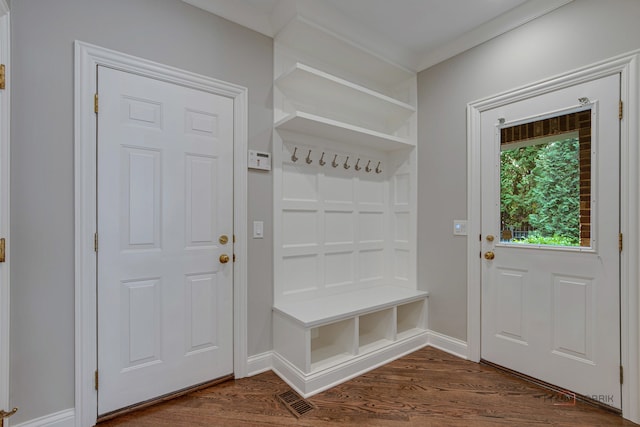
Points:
x=620 y=242
x=3 y=77
x=3 y=250
x=95 y=379
x=95 y=242
x=621 y=110
x=95 y=103
x=621 y=375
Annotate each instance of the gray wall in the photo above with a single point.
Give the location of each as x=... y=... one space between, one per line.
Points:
x=578 y=34
x=42 y=227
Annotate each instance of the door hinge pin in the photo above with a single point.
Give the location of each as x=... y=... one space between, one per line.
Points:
x=95 y=103
x=95 y=379
x=95 y=242
x=620 y=242
x=621 y=110
x=621 y=375
x=3 y=77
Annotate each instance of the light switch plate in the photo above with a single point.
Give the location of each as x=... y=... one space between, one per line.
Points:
x=258 y=229
x=259 y=160
x=459 y=227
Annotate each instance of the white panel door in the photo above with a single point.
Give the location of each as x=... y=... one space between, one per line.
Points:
x=165 y=164
x=552 y=311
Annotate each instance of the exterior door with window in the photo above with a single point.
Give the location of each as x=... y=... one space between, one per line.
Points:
x=165 y=205
x=550 y=238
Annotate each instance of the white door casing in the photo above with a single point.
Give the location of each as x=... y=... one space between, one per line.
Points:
x=552 y=313
x=165 y=155
x=87 y=59
x=628 y=66
x=4 y=209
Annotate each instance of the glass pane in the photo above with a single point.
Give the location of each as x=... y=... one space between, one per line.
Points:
x=540 y=193
x=545 y=185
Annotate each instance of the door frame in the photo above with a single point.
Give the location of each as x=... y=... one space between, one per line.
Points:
x=628 y=66
x=5 y=303
x=87 y=58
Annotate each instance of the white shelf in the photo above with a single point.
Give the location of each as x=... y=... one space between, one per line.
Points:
x=331 y=308
x=304 y=84
x=311 y=124
x=304 y=36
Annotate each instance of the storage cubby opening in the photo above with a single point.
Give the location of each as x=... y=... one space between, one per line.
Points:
x=331 y=344
x=375 y=330
x=410 y=318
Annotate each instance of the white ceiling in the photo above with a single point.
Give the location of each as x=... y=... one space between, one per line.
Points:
x=413 y=33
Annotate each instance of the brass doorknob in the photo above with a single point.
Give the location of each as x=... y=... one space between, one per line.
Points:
x=224 y=258
x=489 y=255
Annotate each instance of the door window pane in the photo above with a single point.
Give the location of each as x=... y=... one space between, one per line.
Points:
x=545 y=182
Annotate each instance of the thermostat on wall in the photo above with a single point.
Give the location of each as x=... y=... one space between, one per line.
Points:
x=259 y=160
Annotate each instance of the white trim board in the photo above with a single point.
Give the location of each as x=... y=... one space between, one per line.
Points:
x=64 y=418
x=87 y=58
x=628 y=66
x=5 y=176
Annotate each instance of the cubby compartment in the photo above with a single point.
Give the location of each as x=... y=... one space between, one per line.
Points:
x=375 y=330
x=331 y=344
x=410 y=319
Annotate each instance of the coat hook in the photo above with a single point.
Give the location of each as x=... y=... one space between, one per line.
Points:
x=358 y=167
x=367 y=168
x=321 y=161
x=293 y=156
x=308 y=159
x=346 y=163
x=378 y=170
x=334 y=163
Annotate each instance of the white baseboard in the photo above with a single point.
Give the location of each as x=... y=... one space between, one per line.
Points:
x=66 y=418
x=446 y=343
x=259 y=363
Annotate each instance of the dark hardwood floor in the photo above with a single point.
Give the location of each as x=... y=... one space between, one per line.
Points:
x=426 y=388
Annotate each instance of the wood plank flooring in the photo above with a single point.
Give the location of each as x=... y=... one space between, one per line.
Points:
x=427 y=388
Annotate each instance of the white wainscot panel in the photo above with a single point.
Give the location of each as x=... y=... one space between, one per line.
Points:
x=201 y=123
x=338 y=227
x=371 y=265
x=141 y=324
x=140 y=199
x=200 y=200
x=200 y=305
x=338 y=187
x=142 y=112
x=299 y=228
x=339 y=269
x=299 y=183
x=402 y=227
x=573 y=321
x=371 y=192
x=300 y=274
x=510 y=286
x=402 y=264
x=402 y=189
x=371 y=227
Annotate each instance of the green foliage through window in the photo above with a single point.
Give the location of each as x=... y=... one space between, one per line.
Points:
x=540 y=192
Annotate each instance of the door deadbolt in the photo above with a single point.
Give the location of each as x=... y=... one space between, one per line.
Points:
x=224 y=239
x=490 y=237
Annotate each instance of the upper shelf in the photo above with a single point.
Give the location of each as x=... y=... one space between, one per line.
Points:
x=311 y=124
x=305 y=36
x=306 y=84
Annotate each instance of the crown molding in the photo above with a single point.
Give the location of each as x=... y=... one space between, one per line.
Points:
x=502 y=24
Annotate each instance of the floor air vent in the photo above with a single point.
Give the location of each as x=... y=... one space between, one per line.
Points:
x=294 y=403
